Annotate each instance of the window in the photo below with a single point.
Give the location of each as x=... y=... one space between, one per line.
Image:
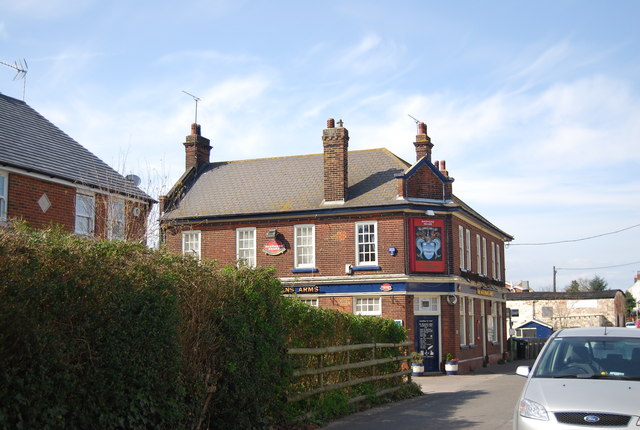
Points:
x=478 y=254
x=468 y=250
x=484 y=256
x=493 y=261
x=463 y=325
x=368 y=306
x=191 y=243
x=366 y=243
x=304 y=246
x=498 y=265
x=116 y=219
x=526 y=332
x=492 y=323
x=246 y=246
x=310 y=302
x=471 y=326
x=4 y=181
x=461 y=246
x=426 y=304
x=85 y=214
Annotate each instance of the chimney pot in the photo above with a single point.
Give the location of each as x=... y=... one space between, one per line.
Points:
x=422 y=128
x=443 y=165
x=437 y=164
x=331 y=123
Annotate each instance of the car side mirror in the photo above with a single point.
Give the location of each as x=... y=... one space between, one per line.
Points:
x=523 y=371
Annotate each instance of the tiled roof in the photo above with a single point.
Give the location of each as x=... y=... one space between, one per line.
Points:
x=287 y=184
x=28 y=141
x=563 y=295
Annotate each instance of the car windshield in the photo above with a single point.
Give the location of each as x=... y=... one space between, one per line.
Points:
x=590 y=357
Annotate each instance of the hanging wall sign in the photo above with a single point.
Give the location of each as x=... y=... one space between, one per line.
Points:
x=427 y=246
x=274 y=247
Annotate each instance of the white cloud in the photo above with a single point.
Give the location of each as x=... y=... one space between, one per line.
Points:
x=370 y=56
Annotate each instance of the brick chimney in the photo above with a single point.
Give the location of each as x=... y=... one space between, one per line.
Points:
x=335 y=141
x=423 y=142
x=197 y=149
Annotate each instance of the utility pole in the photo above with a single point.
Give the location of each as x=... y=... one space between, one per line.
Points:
x=555 y=272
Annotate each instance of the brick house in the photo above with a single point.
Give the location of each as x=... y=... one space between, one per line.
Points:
x=566 y=309
x=361 y=231
x=47 y=178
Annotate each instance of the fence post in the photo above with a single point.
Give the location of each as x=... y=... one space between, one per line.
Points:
x=375 y=368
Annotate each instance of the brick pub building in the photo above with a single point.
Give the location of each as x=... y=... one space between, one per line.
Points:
x=360 y=231
x=47 y=178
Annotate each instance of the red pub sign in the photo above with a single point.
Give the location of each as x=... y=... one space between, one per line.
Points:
x=427 y=247
x=274 y=247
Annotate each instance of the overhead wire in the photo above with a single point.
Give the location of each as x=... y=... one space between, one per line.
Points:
x=572 y=240
x=597 y=268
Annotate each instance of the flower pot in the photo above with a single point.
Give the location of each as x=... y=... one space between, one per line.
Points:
x=417 y=369
x=451 y=367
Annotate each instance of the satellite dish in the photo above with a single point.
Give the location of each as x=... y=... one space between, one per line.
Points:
x=134 y=179
x=451 y=299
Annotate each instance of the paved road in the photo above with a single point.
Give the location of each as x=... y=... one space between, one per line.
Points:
x=482 y=400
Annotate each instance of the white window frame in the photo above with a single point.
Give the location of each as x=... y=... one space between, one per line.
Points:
x=311 y=301
x=373 y=261
x=117 y=220
x=88 y=214
x=498 y=262
x=468 y=249
x=492 y=323
x=367 y=306
x=472 y=323
x=304 y=246
x=246 y=254
x=493 y=261
x=484 y=256
x=478 y=254
x=192 y=243
x=461 y=246
x=463 y=322
x=426 y=305
x=4 y=197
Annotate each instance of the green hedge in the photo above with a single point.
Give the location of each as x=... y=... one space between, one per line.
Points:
x=112 y=335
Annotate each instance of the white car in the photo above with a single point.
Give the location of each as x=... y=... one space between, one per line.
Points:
x=630 y=324
x=583 y=378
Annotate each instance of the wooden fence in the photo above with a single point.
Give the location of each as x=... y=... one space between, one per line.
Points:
x=339 y=367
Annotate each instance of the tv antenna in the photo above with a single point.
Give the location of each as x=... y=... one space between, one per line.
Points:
x=196 y=99
x=21 y=67
x=416 y=120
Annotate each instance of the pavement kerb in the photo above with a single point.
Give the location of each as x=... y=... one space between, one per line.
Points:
x=442 y=383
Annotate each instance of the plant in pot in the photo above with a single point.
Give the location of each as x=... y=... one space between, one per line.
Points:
x=417 y=364
x=450 y=364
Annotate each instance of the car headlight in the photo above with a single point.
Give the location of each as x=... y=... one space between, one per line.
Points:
x=531 y=409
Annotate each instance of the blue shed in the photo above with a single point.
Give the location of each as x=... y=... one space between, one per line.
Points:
x=534 y=328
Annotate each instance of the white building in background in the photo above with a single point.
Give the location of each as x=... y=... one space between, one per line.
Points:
x=635 y=289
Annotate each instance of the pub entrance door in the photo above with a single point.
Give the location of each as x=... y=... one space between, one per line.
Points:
x=427 y=342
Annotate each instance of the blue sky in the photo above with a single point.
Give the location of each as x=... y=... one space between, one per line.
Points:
x=534 y=105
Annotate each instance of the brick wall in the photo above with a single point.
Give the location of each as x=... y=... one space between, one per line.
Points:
x=335 y=243
x=25 y=191
x=425 y=184
x=474 y=231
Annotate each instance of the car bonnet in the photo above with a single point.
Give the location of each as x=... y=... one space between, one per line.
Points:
x=585 y=395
